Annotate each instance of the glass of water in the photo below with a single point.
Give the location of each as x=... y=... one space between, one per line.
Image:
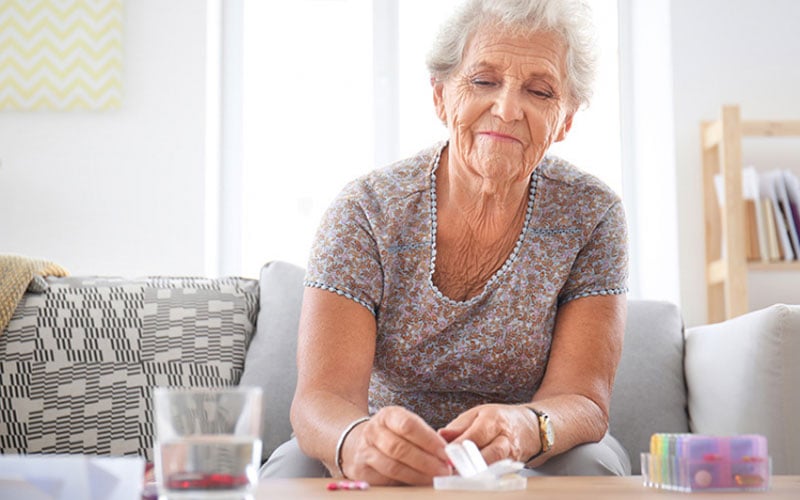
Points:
x=208 y=441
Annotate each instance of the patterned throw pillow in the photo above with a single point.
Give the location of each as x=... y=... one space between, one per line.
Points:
x=79 y=361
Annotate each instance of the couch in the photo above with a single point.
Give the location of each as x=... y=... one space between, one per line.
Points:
x=79 y=359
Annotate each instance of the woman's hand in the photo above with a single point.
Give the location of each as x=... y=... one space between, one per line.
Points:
x=500 y=431
x=393 y=447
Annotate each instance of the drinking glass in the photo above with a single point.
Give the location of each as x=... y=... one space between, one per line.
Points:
x=208 y=441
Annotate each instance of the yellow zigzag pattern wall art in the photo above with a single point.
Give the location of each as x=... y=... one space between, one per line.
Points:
x=60 y=54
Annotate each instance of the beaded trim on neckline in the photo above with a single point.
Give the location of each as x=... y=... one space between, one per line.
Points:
x=434 y=223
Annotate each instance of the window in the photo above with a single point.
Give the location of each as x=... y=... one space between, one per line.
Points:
x=307 y=119
x=335 y=88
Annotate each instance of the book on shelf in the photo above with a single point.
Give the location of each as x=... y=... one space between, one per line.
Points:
x=768 y=183
x=793 y=193
x=755 y=225
x=771 y=214
x=783 y=202
x=773 y=246
x=752 y=249
x=754 y=240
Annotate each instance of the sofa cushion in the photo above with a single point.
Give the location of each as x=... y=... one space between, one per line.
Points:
x=743 y=377
x=649 y=390
x=272 y=358
x=78 y=362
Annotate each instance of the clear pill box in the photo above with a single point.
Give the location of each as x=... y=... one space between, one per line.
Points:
x=692 y=462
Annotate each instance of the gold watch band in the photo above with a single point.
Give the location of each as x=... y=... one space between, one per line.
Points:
x=546 y=435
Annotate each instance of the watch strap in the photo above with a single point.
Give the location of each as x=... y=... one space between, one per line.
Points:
x=542 y=421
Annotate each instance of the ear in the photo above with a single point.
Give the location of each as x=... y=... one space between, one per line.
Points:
x=438 y=99
x=565 y=127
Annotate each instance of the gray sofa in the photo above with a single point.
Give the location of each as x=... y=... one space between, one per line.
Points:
x=740 y=376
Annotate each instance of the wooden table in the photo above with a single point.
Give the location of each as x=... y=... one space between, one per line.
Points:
x=590 y=488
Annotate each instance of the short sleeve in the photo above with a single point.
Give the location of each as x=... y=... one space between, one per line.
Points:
x=344 y=257
x=601 y=266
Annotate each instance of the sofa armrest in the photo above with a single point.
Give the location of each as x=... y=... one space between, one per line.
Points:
x=271 y=361
x=743 y=377
x=649 y=390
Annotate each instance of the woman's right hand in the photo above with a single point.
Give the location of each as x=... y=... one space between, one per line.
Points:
x=395 y=446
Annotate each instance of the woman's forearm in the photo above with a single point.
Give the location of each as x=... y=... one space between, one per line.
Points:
x=576 y=389
x=576 y=419
x=318 y=419
x=334 y=358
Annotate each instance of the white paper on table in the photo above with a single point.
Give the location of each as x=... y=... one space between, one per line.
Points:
x=68 y=477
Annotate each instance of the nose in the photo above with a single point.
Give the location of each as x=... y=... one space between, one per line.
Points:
x=507 y=105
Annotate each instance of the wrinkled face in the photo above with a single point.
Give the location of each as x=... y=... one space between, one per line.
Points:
x=506 y=103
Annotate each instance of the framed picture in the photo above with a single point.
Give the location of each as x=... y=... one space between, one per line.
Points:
x=57 y=55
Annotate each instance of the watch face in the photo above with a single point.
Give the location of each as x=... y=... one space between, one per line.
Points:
x=546 y=432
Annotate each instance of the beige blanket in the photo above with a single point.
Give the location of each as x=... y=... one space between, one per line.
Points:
x=16 y=273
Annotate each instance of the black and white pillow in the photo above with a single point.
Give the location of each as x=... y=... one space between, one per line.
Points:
x=78 y=361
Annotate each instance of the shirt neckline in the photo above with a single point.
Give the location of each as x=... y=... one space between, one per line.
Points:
x=434 y=223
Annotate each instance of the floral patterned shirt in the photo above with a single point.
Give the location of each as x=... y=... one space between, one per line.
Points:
x=439 y=357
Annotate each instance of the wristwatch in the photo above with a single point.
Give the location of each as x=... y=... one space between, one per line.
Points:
x=546 y=433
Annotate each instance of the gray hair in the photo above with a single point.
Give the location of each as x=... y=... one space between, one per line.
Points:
x=569 y=18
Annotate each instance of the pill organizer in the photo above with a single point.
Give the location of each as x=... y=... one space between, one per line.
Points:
x=693 y=462
x=475 y=474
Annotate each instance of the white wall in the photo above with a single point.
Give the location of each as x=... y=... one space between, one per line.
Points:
x=742 y=52
x=122 y=192
x=118 y=192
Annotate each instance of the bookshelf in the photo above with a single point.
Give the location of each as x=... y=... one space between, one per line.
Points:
x=726 y=262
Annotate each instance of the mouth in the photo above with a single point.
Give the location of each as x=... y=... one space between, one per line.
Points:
x=498 y=136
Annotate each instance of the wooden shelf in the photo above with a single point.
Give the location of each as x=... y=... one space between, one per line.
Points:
x=726 y=277
x=774 y=266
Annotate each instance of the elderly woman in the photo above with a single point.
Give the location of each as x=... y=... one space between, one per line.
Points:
x=476 y=290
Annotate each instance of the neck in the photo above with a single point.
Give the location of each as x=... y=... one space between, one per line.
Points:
x=489 y=210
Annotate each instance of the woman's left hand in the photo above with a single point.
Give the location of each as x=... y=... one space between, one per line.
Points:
x=500 y=431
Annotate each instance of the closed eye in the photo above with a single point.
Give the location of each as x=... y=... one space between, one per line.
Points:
x=541 y=93
x=482 y=83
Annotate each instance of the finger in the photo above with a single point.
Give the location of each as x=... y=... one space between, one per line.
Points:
x=482 y=430
x=379 y=467
x=370 y=463
x=415 y=431
x=499 y=448
x=400 y=472
x=410 y=455
x=365 y=472
x=449 y=435
x=458 y=426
